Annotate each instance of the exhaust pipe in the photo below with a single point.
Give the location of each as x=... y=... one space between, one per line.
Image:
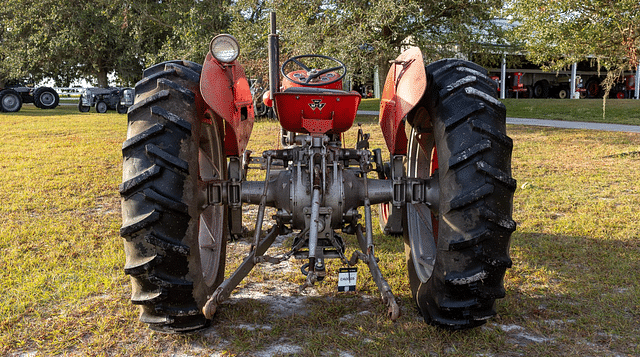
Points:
x=274 y=58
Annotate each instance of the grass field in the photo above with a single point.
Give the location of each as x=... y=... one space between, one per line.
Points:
x=574 y=289
x=618 y=111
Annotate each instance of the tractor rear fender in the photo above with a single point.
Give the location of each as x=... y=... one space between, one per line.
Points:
x=227 y=94
x=404 y=87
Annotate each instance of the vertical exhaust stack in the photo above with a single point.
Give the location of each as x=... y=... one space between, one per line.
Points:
x=274 y=58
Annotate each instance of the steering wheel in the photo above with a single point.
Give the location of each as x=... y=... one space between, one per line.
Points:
x=314 y=73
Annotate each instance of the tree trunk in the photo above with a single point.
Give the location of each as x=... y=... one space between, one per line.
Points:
x=103 y=81
x=383 y=69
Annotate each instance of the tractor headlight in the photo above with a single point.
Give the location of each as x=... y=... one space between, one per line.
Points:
x=224 y=48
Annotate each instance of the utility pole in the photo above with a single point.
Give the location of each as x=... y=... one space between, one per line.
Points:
x=574 y=77
x=503 y=77
x=638 y=82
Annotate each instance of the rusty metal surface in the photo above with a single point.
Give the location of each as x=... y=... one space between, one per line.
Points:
x=226 y=91
x=403 y=88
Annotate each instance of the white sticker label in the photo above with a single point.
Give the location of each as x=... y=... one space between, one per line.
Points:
x=347 y=279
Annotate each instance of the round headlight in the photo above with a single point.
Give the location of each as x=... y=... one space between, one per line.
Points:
x=224 y=48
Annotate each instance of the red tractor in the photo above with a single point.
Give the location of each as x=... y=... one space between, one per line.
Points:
x=625 y=88
x=185 y=181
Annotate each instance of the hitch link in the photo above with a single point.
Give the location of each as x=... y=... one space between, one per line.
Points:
x=223 y=291
x=393 y=310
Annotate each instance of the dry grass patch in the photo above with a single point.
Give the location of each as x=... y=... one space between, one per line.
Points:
x=573 y=290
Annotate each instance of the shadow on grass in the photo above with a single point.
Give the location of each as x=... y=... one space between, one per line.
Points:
x=29 y=110
x=563 y=293
x=581 y=290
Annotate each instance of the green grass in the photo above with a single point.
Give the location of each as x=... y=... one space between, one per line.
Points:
x=618 y=111
x=574 y=285
x=369 y=104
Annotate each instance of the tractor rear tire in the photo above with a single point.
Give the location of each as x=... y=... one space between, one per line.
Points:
x=175 y=250
x=593 y=89
x=457 y=256
x=46 y=98
x=529 y=92
x=10 y=101
x=541 y=89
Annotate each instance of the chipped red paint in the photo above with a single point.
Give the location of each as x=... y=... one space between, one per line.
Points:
x=226 y=91
x=316 y=111
x=403 y=88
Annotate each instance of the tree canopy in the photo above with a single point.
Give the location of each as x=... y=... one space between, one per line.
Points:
x=168 y=30
x=366 y=33
x=557 y=33
x=66 y=39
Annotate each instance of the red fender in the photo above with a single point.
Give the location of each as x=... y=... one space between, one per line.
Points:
x=403 y=88
x=226 y=91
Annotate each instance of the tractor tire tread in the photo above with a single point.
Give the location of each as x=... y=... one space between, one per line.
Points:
x=496 y=174
x=166 y=202
x=143 y=297
x=176 y=310
x=139 y=223
x=167 y=115
x=166 y=281
x=167 y=244
x=143 y=177
x=167 y=158
x=154 y=130
x=468 y=153
x=463 y=115
x=181 y=65
x=142 y=266
x=468 y=198
x=503 y=139
x=156 y=214
x=478 y=189
x=183 y=324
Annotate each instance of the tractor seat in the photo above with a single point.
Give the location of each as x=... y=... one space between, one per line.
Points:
x=316 y=110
